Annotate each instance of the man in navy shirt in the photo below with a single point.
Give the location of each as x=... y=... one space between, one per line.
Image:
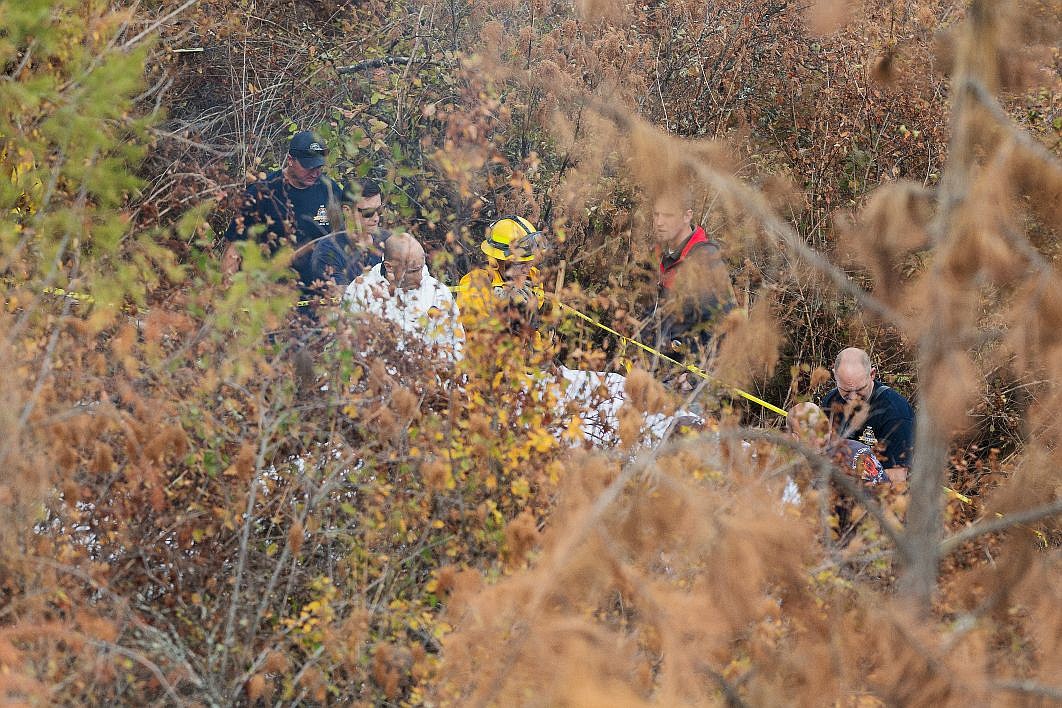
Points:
x=293 y=206
x=862 y=408
x=343 y=256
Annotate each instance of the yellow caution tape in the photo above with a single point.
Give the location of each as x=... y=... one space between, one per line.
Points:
x=688 y=367
x=960 y=497
x=319 y=301
x=645 y=347
x=1040 y=535
x=73 y=295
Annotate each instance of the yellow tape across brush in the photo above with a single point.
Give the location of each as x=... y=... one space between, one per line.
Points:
x=688 y=367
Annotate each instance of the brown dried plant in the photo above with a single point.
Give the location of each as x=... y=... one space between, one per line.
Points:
x=195 y=512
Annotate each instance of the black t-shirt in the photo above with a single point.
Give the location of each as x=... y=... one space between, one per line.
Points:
x=338 y=260
x=288 y=215
x=890 y=424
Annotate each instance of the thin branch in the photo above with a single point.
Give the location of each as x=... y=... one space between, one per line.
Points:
x=374 y=64
x=985 y=98
x=825 y=467
x=590 y=522
x=733 y=698
x=758 y=207
x=1001 y=524
x=143 y=661
x=159 y=23
x=170 y=135
x=241 y=565
x=1030 y=687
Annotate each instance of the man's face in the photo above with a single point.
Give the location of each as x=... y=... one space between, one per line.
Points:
x=671 y=222
x=301 y=177
x=405 y=270
x=517 y=272
x=367 y=213
x=854 y=382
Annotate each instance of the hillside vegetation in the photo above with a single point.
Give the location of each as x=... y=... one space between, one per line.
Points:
x=208 y=498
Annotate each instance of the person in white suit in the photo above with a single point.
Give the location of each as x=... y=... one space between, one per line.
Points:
x=401 y=290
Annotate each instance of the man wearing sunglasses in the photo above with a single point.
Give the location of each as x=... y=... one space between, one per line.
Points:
x=345 y=255
x=292 y=206
x=367 y=207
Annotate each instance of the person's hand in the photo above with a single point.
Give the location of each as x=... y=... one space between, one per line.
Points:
x=896 y=474
x=683 y=382
x=379 y=291
x=230 y=262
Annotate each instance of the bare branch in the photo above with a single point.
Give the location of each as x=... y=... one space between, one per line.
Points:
x=825 y=467
x=756 y=203
x=373 y=64
x=1001 y=524
x=143 y=661
x=1030 y=687
x=159 y=23
x=984 y=97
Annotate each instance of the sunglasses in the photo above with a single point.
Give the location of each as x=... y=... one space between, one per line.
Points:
x=533 y=242
x=369 y=213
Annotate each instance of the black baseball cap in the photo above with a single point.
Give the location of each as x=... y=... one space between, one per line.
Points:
x=307 y=149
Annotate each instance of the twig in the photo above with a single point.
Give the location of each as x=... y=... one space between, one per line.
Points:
x=159 y=23
x=733 y=698
x=758 y=207
x=978 y=91
x=825 y=467
x=374 y=64
x=143 y=661
x=192 y=143
x=1022 y=517
x=405 y=75
x=1027 y=686
x=590 y=522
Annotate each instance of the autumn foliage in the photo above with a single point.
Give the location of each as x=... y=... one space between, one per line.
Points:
x=209 y=497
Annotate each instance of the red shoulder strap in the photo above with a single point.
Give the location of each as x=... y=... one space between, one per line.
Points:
x=667 y=275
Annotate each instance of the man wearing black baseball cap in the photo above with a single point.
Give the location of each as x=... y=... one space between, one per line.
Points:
x=292 y=206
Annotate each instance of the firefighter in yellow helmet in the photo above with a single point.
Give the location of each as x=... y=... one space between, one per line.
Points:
x=510 y=282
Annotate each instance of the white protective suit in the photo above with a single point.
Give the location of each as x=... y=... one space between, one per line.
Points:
x=598 y=396
x=427 y=314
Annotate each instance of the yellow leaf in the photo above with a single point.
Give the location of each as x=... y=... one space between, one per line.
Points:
x=520 y=487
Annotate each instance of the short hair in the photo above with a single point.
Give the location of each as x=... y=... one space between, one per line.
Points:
x=684 y=195
x=364 y=188
x=369 y=187
x=864 y=359
x=401 y=242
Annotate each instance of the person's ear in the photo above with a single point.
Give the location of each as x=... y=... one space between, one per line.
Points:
x=689 y=215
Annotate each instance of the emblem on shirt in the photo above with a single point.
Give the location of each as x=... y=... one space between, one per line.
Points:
x=321 y=217
x=868 y=437
x=315 y=147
